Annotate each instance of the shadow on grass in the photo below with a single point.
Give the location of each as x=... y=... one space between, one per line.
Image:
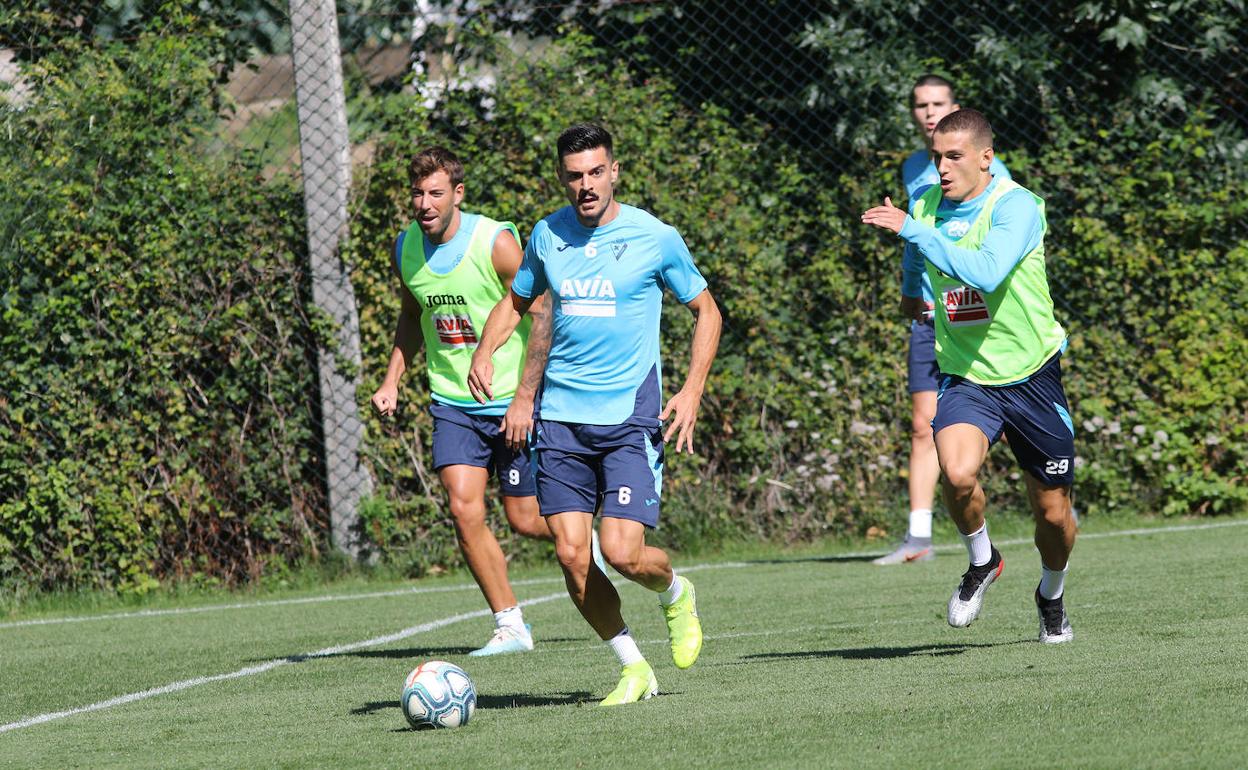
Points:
x=374 y=707
x=416 y=654
x=522 y=700
x=514 y=700
x=405 y=653
x=882 y=653
x=819 y=559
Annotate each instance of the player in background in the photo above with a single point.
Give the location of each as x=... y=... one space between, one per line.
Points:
x=931 y=99
x=600 y=438
x=980 y=239
x=453 y=267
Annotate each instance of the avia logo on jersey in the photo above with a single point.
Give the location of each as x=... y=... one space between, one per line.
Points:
x=435 y=300
x=589 y=297
x=965 y=306
x=957 y=228
x=455 y=330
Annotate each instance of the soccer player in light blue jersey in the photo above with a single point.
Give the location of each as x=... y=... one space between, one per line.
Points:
x=600 y=437
x=931 y=99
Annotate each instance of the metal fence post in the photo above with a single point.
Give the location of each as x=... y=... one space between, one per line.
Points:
x=326 y=161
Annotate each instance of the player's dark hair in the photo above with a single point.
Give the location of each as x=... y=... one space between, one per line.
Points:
x=971 y=121
x=433 y=159
x=582 y=137
x=933 y=80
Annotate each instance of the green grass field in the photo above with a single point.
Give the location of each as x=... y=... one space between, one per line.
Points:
x=812 y=660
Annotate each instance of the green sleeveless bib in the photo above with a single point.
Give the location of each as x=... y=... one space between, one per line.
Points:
x=454 y=308
x=997 y=337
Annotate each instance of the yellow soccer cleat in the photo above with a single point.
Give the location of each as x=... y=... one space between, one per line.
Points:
x=637 y=682
x=684 y=630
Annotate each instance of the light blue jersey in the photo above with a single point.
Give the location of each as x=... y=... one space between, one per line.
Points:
x=606 y=286
x=918 y=172
x=1017 y=229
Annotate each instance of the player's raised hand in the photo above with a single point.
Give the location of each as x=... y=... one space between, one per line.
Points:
x=481 y=376
x=887 y=217
x=386 y=400
x=684 y=408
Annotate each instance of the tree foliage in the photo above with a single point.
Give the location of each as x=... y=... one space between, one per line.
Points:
x=158 y=415
x=156 y=406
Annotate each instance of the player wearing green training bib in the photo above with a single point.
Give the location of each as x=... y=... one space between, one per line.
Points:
x=931 y=98
x=453 y=267
x=980 y=240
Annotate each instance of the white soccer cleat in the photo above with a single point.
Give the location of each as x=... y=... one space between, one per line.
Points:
x=1054 y=625
x=912 y=549
x=968 y=597
x=506 y=639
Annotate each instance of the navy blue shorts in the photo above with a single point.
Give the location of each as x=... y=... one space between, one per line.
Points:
x=460 y=438
x=617 y=469
x=1032 y=414
x=924 y=374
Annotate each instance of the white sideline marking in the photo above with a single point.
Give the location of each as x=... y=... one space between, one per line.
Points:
x=121 y=700
x=436 y=624
x=1118 y=533
x=263 y=667
x=1081 y=536
x=534 y=581
x=265 y=603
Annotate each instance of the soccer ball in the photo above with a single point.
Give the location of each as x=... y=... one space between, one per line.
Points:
x=438 y=694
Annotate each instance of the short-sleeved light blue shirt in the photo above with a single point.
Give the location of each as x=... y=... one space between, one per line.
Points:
x=606 y=285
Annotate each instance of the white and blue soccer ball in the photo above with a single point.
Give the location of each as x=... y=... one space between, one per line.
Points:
x=438 y=694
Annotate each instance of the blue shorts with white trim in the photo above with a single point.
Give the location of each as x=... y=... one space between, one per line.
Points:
x=1033 y=415
x=615 y=469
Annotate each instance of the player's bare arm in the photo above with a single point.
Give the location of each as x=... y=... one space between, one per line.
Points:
x=683 y=406
x=503 y=320
x=886 y=217
x=407 y=340
x=517 y=423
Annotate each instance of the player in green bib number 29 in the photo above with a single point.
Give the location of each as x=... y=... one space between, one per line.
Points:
x=453 y=267
x=980 y=240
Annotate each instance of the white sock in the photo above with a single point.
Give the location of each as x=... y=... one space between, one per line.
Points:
x=921 y=523
x=1052 y=582
x=673 y=592
x=625 y=648
x=509 y=617
x=978 y=546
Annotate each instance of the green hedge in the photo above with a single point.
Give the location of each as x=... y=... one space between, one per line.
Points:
x=158 y=408
x=805 y=428
x=157 y=397
x=1149 y=261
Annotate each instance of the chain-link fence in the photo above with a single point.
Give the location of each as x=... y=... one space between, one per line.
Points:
x=197 y=301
